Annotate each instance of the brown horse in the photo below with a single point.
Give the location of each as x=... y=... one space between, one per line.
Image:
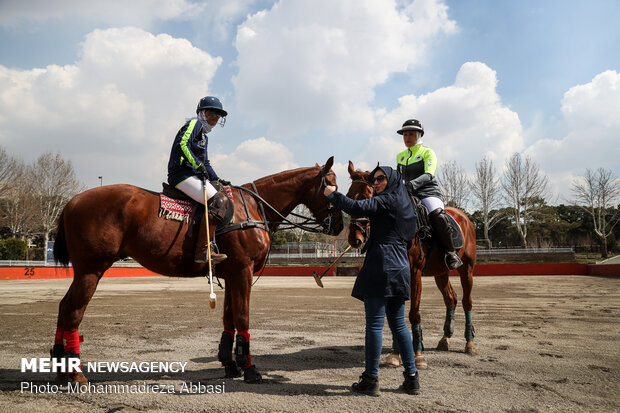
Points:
x=102 y=225
x=429 y=261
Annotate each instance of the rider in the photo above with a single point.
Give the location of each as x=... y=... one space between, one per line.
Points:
x=189 y=167
x=417 y=166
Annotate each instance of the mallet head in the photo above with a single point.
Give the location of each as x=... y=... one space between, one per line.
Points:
x=317 y=279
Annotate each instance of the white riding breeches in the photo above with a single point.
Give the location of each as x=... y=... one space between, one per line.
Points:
x=192 y=187
x=432 y=203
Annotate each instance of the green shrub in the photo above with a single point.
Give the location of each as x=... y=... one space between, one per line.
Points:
x=13 y=249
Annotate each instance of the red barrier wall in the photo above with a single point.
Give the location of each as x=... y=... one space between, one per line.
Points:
x=46 y=273
x=604 y=270
x=612 y=270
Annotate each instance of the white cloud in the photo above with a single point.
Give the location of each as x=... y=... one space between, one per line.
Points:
x=118 y=12
x=315 y=63
x=462 y=122
x=115 y=112
x=253 y=159
x=591 y=112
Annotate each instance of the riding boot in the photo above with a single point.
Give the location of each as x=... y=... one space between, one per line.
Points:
x=217 y=206
x=441 y=223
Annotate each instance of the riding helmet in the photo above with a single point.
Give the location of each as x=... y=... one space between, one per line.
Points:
x=212 y=103
x=411 y=124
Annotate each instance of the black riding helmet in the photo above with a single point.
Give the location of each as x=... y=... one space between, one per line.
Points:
x=411 y=124
x=213 y=104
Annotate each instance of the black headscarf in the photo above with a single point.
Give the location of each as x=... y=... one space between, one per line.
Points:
x=401 y=210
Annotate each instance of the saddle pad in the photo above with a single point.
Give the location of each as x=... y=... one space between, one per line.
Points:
x=177 y=209
x=457 y=233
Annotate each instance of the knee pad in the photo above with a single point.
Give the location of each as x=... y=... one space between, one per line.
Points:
x=218 y=204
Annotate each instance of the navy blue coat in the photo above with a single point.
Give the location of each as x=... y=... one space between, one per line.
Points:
x=385 y=272
x=189 y=151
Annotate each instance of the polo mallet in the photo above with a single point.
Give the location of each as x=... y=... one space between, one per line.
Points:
x=315 y=274
x=212 y=296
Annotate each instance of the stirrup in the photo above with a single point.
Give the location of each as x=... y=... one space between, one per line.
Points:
x=456 y=263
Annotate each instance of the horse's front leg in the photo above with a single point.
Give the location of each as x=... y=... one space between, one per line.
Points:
x=240 y=289
x=415 y=318
x=467 y=282
x=450 y=300
x=225 y=350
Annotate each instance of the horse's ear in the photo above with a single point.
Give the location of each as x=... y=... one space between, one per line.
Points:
x=351 y=168
x=329 y=163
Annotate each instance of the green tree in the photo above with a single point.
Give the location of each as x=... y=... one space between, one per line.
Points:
x=13 y=249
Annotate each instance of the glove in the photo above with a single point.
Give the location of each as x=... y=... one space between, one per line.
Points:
x=409 y=187
x=224 y=182
x=201 y=172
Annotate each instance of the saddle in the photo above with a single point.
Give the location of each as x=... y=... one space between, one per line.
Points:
x=425 y=230
x=175 y=204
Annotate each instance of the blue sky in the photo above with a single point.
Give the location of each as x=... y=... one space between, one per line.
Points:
x=108 y=85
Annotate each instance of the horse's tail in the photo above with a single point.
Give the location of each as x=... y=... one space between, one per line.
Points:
x=61 y=253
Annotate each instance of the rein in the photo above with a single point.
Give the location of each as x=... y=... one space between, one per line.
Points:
x=267 y=224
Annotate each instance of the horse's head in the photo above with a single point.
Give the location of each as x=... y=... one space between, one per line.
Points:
x=329 y=217
x=360 y=189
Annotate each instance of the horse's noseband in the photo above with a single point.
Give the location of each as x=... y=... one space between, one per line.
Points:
x=363 y=225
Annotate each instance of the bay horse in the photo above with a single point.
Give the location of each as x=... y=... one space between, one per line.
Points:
x=425 y=260
x=102 y=225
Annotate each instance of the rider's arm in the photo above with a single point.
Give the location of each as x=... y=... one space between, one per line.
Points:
x=185 y=144
x=430 y=165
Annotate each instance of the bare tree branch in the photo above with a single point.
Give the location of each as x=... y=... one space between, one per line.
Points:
x=486 y=192
x=454 y=185
x=10 y=170
x=596 y=193
x=524 y=185
x=53 y=183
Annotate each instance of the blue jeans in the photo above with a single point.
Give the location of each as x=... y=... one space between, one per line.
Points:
x=376 y=310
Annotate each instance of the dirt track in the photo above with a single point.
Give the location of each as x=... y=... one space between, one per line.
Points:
x=544 y=344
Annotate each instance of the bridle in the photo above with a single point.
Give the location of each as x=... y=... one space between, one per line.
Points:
x=362 y=223
x=309 y=224
x=328 y=222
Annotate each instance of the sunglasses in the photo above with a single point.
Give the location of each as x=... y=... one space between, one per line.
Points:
x=378 y=178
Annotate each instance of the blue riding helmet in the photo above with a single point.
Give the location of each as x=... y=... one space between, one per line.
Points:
x=213 y=104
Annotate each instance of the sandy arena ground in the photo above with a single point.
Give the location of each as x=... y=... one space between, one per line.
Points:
x=544 y=344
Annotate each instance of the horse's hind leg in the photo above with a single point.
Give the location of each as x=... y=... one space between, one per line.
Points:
x=450 y=300
x=70 y=313
x=225 y=350
x=467 y=282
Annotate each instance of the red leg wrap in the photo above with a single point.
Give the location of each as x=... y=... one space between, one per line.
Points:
x=59 y=335
x=231 y=332
x=245 y=334
x=71 y=341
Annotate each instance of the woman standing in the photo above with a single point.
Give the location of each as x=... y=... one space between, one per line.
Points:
x=383 y=283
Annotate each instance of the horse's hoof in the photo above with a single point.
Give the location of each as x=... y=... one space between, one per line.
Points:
x=470 y=348
x=232 y=370
x=392 y=360
x=444 y=344
x=251 y=375
x=420 y=362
